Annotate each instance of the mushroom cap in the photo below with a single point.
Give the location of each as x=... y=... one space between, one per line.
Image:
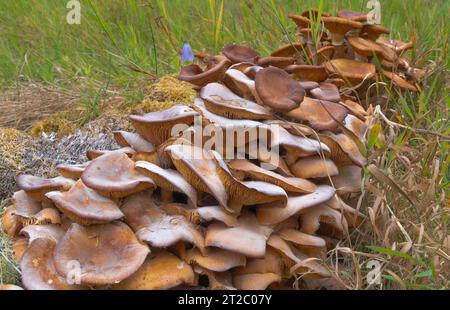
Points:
x=107 y=253
x=301 y=239
x=279 y=62
x=373 y=31
x=199 y=170
x=217 y=280
x=396 y=45
x=221 y=101
x=311 y=220
x=352 y=15
x=369 y=48
x=10 y=287
x=156 y=127
x=48 y=215
x=276 y=89
x=340 y=25
x=239 y=83
x=255 y=281
x=400 y=82
x=270 y=215
x=161 y=271
x=344 y=150
x=93 y=154
x=288 y=50
x=308 y=85
x=300 y=21
x=113 y=175
x=151 y=224
x=314 y=13
x=38 y=268
x=324 y=54
x=348 y=180
x=133 y=140
x=194 y=74
x=326 y=91
x=357 y=126
x=168 y=179
x=317 y=113
x=270 y=263
x=216 y=213
x=84 y=206
x=215 y=259
x=37 y=187
x=351 y=70
x=297 y=145
x=290 y=184
x=19 y=246
x=308 y=72
x=248 y=238
x=47 y=231
x=314 y=167
x=72 y=171
x=11 y=224
x=355 y=108
x=353 y=216
x=239 y=53
x=25 y=206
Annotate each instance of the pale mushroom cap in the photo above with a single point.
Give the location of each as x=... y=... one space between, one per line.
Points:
x=71 y=171
x=296 y=144
x=210 y=213
x=24 y=205
x=154 y=226
x=156 y=127
x=399 y=81
x=315 y=73
x=36 y=187
x=319 y=114
x=311 y=220
x=215 y=259
x=194 y=74
x=38 y=268
x=248 y=238
x=290 y=184
x=327 y=92
x=276 y=89
x=221 y=101
x=270 y=215
x=107 y=253
x=255 y=281
x=301 y=238
x=238 y=53
x=93 y=154
x=84 y=206
x=133 y=140
x=161 y=271
x=199 y=170
x=47 y=231
x=168 y=179
x=314 y=167
x=351 y=70
x=113 y=175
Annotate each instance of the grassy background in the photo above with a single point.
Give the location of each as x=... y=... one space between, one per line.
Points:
x=121 y=43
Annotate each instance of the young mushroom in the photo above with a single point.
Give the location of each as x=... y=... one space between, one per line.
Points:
x=338 y=27
x=195 y=75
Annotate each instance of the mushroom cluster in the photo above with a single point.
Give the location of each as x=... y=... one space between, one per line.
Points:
x=170 y=209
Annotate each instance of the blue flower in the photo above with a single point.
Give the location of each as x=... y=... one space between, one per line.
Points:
x=186 y=54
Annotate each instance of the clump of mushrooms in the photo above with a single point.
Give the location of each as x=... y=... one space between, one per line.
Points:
x=170 y=209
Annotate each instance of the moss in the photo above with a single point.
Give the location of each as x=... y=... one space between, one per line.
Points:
x=63 y=123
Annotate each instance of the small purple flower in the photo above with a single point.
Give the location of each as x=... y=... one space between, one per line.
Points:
x=186 y=54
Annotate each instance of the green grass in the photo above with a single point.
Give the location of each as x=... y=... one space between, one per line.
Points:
x=121 y=42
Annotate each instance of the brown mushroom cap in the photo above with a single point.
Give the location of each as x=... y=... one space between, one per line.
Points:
x=216 y=213
x=72 y=171
x=161 y=271
x=37 y=187
x=279 y=62
x=351 y=70
x=215 y=259
x=156 y=127
x=25 y=207
x=301 y=239
x=168 y=179
x=356 y=16
x=19 y=246
x=194 y=74
x=326 y=91
x=49 y=231
x=314 y=167
x=48 y=215
x=38 y=268
x=113 y=175
x=311 y=220
x=290 y=184
x=369 y=48
x=93 y=154
x=324 y=54
x=313 y=13
x=107 y=253
x=355 y=108
x=288 y=50
x=300 y=21
x=276 y=89
x=199 y=170
x=373 y=31
x=357 y=126
x=221 y=101
x=270 y=215
x=154 y=226
x=396 y=45
x=84 y=206
x=248 y=238
x=340 y=25
x=255 y=281
x=11 y=224
x=308 y=72
x=344 y=150
x=133 y=140
x=317 y=113
x=400 y=82
x=238 y=53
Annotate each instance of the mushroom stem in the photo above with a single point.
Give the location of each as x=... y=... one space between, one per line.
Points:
x=166 y=196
